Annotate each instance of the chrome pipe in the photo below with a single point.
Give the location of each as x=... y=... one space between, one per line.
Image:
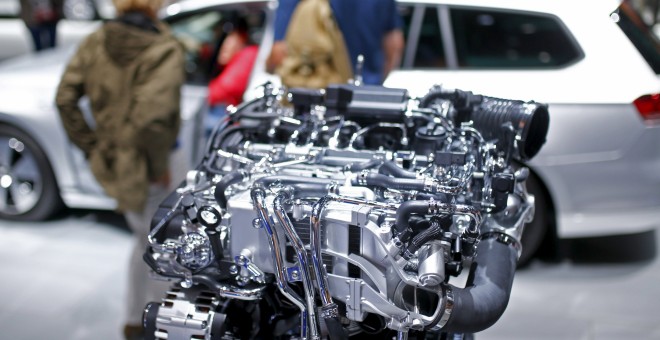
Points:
x=329 y=308
x=232 y=292
x=258 y=196
x=303 y=262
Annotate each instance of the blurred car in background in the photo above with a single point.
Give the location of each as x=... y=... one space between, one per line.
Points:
x=81 y=17
x=595 y=62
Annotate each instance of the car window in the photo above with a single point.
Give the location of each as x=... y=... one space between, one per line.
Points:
x=487 y=38
x=202 y=33
x=429 y=53
x=421 y=27
x=640 y=30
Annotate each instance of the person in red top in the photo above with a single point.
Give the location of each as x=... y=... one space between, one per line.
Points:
x=236 y=58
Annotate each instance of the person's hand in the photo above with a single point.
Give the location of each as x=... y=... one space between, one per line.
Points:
x=277 y=54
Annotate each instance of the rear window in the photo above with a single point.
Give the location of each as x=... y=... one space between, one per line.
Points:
x=488 y=38
x=430 y=52
x=639 y=22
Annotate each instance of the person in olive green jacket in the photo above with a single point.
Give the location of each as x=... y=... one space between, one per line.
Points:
x=132 y=70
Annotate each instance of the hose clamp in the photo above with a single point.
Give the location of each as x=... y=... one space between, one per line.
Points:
x=429 y=185
x=433 y=207
x=329 y=311
x=333 y=188
x=448 y=307
x=505 y=239
x=362 y=177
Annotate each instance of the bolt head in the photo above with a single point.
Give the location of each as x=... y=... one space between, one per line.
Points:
x=417 y=324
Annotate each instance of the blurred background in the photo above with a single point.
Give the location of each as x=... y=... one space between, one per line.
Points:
x=589 y=266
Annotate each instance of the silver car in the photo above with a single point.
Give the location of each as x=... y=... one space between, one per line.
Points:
x=594 y=62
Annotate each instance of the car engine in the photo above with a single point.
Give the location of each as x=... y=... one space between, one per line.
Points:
x=352 y=211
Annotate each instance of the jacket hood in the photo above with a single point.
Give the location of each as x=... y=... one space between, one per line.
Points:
x=127 y=37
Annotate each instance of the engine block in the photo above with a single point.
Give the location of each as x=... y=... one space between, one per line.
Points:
x=348 y=211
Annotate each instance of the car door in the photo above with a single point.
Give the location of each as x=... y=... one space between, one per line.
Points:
x=14 y=36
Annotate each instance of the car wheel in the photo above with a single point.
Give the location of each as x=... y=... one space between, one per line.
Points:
x=535 y=231
x=28 y=190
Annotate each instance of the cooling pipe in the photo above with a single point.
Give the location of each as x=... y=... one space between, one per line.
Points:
x=391 y=168
x=224 y=183
x=485 y=297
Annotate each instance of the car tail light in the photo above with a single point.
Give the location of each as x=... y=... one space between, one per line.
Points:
x=649 y=106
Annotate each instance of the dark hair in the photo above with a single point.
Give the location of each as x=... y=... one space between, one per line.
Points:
x=236 y=24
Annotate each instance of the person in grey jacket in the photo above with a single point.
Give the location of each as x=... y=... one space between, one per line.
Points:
x=132 y=70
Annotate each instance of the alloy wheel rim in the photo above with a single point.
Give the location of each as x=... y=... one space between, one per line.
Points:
x=21 y=183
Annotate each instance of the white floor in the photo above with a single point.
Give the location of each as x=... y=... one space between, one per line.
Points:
x=65 y=279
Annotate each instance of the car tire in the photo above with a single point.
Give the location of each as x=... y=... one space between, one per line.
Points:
x=28 y=190
x=536 y=230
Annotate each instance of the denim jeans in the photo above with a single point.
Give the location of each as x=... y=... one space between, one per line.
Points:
x=43 y=35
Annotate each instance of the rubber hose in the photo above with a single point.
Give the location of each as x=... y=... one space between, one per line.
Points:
x=460 y=99
x=219 y=139
x=483 y=301
x=364 y=165
x=390 y=168
x=227 y=180
x=531 y=120
x=406 y=209
x=335 y=329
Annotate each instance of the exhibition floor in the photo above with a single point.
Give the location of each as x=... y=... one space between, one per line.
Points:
x=65 y=279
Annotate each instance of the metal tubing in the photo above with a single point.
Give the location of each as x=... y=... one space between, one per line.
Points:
x=258 y=195
x=303 y=262
x=229 y=291
x=329 y=308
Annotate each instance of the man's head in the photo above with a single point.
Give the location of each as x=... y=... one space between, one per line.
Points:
x=148 y=7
